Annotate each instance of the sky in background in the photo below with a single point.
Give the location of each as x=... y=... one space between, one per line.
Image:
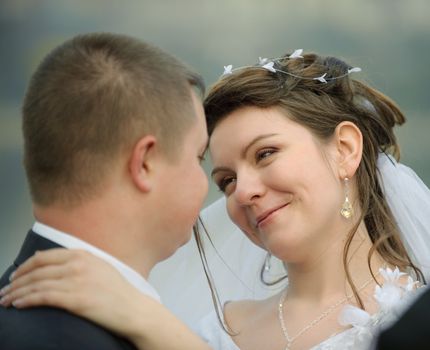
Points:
x=388 y=39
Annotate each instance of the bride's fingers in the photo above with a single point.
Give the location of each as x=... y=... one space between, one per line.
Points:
x=69 y=275
x=56 y=256
x=52 y=298
x=41 y=273
x=42 y=288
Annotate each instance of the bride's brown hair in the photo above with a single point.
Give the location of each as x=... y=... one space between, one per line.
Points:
x=320 y=107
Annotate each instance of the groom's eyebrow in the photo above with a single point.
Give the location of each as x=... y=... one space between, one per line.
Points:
x=243 y=153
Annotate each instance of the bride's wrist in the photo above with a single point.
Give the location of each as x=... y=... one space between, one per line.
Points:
x=154 y=327
x=144 y=320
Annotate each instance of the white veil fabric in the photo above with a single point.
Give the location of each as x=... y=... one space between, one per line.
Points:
x=409 y=200
x=236 y=263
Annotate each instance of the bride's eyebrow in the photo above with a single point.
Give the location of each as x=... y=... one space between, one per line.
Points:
x=254 y=141
x=243 y=153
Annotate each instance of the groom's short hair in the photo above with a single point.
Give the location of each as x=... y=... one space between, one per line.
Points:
x=90 y=100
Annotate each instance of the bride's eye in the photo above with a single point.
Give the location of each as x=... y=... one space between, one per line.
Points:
x=226 y=182
x=264 y=153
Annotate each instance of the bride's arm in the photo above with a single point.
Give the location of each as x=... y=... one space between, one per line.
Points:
x=89 y=287
x=162 y=330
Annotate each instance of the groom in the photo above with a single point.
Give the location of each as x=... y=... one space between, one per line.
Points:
x=114 y=131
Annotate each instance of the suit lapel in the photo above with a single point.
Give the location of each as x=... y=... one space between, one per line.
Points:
x=32 y=243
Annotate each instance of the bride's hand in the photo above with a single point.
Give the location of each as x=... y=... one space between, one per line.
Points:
x=85 y=285
x=73 y=280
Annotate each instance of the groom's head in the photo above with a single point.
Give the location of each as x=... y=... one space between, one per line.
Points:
x=89 y=101
x=109 y=116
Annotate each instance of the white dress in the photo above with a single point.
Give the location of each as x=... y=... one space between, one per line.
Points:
x=393 y=298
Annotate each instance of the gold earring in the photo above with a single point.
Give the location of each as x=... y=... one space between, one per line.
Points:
x=346 y=210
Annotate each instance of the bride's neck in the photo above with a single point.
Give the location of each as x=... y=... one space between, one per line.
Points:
x=324 y=277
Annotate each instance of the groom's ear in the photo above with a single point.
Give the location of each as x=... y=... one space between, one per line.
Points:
x=142 y=161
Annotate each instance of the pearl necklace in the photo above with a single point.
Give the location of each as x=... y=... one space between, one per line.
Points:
x=315 y=321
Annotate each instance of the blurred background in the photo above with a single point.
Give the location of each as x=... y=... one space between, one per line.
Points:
x=388 y=39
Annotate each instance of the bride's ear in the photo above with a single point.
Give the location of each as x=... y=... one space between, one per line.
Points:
x=142 y=162
x=349 y=148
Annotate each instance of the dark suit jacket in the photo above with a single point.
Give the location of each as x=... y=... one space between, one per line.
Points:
x=49 y=328
x=412 y=330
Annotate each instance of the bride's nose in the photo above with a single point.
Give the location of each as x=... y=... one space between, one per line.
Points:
x=249 y=187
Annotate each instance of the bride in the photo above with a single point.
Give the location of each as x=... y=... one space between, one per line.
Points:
x=305 y=156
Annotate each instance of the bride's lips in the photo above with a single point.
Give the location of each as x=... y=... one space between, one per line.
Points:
x=266 y=215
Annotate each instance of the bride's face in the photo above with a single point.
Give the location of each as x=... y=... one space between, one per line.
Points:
x=279 y=181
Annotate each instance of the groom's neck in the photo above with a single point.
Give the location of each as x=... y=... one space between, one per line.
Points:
x=103 y=227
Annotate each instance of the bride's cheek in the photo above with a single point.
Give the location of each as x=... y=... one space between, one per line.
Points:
x=234 y=212
x=245 y=226
x=253 y=236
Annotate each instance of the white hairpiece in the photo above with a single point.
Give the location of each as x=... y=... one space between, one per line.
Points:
x=269 y=64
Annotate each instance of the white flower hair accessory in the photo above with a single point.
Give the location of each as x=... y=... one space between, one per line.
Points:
x=269 y=64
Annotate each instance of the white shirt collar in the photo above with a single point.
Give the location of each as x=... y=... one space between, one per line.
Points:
x=71 y=242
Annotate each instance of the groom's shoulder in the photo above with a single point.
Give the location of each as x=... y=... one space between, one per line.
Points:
x=50 y=328
x=411 y=331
